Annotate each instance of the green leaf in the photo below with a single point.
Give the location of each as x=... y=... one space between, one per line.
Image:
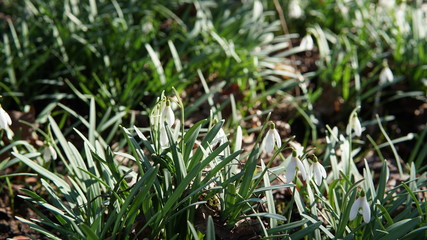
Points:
x=309 y=230
x=249 y=171
x=38 y=228
x=287 y=227
x=399 y=229
x=61 y=184
x=210 y=230
x=90 y=235
x=146 y=181
x=190 y=138
x=193 y=230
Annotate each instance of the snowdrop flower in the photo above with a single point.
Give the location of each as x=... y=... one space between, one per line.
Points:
x=49 y=153
x=272 y=138
x=5 y=120
x=307 y=43
x=131 y=178
x=257 y=11
x=361 y=203
x=295 y=10
x=358 y=19
x=167 y=114
x=220 y=137
x=318 y=171
x=386 y=75
x=292 y=168
x=164 y=140
x=401 y=22
x=387 y=3
x=297 y=148
x=162 y=113
x=354 y=124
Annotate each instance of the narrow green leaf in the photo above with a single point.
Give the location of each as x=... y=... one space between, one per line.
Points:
x=399 y=229
x=90 y=234
x=210 y=230
x=288 y=226
x=309 y=230
x=62 y=185
x=38 y=228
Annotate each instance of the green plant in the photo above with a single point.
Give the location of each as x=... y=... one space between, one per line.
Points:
x=97 y=201
x=181 y=179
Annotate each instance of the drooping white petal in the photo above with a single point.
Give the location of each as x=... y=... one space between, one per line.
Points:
x=400 y=14
x=322 y=170
x=386 y=75
x=389 y=4
x=46 y=154
x=277 y=138
x=354 y=209
x=4 y=119
x=258 y=10
x=2 y=123
x=291 y=171
x=295 y=10
x=6 y=116
x=309 y=168
x=318 y=172
x=219 y=138
x=49 y=153
x=357 y=126
x=354 y=125
x=307 y=43
x=301 y=168
x=53 y=152
x=164 y=141
x=366 y=210
x=269 y=141
x=239 y=139
x=168 y=115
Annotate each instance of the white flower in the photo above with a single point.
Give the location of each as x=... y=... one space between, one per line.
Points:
x=49 y=153
x=167 y=114
x=162 y=113
x=401 y=22
x=318 y=172
x=354 y=124
x=387 y=3
x=292 y=168
x=164 y=141
x=295 y=10
x=272 y=138
x=220 y=137
x=258 y=10
x=131 y=178
x=5 y=120
x=386 y=75
x=307 y=43
x=361 y=202
x=298 y=148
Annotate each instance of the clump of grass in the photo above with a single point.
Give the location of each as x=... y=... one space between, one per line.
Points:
x=178 y=182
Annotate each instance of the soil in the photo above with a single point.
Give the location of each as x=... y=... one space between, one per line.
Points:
x=10 y=207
